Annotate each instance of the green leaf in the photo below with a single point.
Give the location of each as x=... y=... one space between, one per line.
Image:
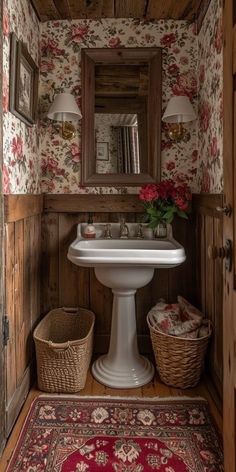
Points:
x=182 y=214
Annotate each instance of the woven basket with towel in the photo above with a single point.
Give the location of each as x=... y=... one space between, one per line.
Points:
x=179 y=336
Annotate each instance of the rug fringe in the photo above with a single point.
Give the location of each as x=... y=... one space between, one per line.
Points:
x=119 y=397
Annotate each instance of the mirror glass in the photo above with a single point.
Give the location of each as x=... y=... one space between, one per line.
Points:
x=117 y=143
x=121 y=116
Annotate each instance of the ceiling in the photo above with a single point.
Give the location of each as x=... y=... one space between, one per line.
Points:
x=93 y=9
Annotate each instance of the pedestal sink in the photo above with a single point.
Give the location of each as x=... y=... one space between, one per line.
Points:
x=124 y=265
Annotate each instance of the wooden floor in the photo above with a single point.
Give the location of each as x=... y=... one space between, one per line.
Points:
x=92 y=387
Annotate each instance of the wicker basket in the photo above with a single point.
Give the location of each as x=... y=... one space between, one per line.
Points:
x=179 y=361
x=64 y=341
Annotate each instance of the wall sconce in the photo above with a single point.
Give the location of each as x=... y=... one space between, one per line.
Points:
x=178 y=111
x=65 y=109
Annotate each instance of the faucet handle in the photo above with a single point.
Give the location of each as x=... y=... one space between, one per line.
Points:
x=107 y=233
x=140 y=231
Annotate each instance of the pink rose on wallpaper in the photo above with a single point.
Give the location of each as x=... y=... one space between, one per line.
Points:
x=6 y=180
x=47 y=66
x=79 y=32
x=213 y=147
x=75 y=152
x=50 y=166
x=114 y=42
x=173 y=70
x=5 y=21
x=186 y=84
x=218 y=42
x=168 y=39
x=49 y=186
x=170 y=165
x=17 y=147
x=5 y=93
x=204 y=116
x=50 y=47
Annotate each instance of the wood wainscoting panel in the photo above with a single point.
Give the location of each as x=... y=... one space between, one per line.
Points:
x=209 y=273
x=75 y=203
x=18 y=207
x=22 y=259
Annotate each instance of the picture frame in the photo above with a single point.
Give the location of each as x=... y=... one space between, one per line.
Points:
x=24 y=74
x=102 y=151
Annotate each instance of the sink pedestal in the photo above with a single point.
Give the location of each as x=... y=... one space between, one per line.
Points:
x=123 y=366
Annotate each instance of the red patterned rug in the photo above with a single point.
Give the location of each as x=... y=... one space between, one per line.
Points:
x=79 y=434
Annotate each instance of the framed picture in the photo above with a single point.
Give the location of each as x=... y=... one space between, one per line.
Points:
x=24 y=83
x=102 y=152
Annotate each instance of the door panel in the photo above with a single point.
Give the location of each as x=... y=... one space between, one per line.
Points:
x=23 y=250
x=229 y=292
x=2 y=372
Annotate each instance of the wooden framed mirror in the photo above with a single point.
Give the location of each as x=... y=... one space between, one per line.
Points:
x=121 y=109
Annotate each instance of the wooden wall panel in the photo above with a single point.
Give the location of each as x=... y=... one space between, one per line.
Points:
x=23 y=259
x=209 y=282
x=10 y=310
x=50 y=264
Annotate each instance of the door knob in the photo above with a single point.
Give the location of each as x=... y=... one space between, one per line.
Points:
x=224 y=252
x=227 y=209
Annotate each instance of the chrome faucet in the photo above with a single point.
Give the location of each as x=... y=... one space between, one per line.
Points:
x=124 y=230
x=140 y=231
x=107 y=232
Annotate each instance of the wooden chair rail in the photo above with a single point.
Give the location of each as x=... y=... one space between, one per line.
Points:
x=18 y=207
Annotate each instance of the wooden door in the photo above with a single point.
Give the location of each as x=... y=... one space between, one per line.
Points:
x=229 y=227
x=22 y=298
x=2 y=377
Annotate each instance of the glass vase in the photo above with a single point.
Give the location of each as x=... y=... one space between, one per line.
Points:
x=161 y=230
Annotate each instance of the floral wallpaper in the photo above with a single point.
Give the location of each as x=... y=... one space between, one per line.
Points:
x=21 y=167
x=61 y=44
x=37 y=159
x=210 y=108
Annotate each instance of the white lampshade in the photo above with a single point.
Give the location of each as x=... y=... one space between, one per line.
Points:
x=179 y=110
x=64 y=108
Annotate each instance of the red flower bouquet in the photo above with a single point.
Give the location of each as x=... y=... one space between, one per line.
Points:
x=165 y=200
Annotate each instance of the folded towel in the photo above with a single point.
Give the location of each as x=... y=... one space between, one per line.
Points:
x=178 y=319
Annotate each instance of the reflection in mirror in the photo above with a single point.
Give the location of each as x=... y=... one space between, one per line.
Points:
x=121 y=126
x=117 y=143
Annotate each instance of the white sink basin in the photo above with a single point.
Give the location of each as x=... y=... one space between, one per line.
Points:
x=124 y=265
x=159 y=253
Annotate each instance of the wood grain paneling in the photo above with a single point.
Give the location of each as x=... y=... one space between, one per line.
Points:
x=75 y=203
x=23 y=259
x=234 y=49
x=229 y=294
x=2 y=366
x=18 y=207
x=209 y=276
x=161 y=9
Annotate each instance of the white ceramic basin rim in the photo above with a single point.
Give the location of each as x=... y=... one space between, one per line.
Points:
x=164 y=253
